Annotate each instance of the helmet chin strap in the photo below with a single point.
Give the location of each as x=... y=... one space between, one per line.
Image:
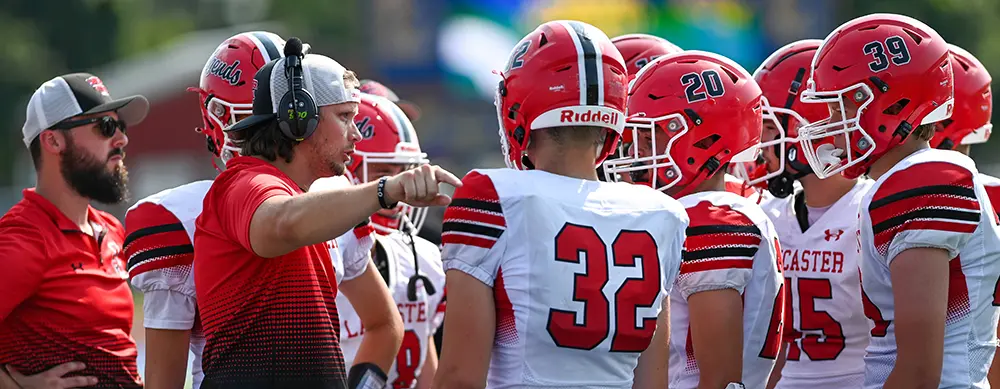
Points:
x=406 y=227
x=783 y=185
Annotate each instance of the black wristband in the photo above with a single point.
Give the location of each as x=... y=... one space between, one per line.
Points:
x=366 y=376
x=381 y=194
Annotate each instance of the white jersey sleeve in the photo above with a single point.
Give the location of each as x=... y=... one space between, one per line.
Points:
x=473 y=229
x=908 y=210
x=719 y=250
x=354 y=249
x=579 y=270
x=159 y=233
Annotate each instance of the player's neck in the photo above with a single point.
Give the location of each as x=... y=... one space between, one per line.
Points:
x=298 y=170
x=567 y=162
x=823 y=193
x=716 y=183
x=896 y=154
x=54 y=188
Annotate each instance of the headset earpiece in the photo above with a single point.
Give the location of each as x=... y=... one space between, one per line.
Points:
x=300 y=117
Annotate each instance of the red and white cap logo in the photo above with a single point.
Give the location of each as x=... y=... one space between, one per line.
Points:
x=98 y=85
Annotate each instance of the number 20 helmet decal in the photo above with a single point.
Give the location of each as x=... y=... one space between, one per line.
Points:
x=895 y=70
x=689 y=114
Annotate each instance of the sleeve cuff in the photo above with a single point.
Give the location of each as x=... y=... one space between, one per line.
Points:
x=477 y=273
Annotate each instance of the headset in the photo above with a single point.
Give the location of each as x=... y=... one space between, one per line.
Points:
x=301 y=115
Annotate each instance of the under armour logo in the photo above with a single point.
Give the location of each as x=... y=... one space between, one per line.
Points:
x=76 y=266
x=830 y=235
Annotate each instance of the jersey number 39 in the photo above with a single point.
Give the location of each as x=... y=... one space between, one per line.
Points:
x=577 y=243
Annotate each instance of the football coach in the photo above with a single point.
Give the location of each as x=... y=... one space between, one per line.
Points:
x=263 y=275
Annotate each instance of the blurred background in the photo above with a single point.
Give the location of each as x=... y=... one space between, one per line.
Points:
x=439 y=54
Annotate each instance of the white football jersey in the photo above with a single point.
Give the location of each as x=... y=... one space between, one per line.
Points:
x=730 y=244
x=824 y=325
x=421 y=317
x=933 y=198
x=159 y=230
x=579 y=270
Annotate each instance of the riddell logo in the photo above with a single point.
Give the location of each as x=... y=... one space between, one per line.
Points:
x=567 y=115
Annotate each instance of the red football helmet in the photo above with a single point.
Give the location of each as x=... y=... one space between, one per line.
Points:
x=894 y=70
x=782 y=76
x=388 y=137
x=641 y=49
x=709 y=109
x=970 y=123
x=226 y=86
x=564 y=73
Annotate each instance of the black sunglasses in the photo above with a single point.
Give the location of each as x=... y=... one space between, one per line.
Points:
x=107 y=124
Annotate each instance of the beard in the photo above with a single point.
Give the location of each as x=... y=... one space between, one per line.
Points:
x=90 y=177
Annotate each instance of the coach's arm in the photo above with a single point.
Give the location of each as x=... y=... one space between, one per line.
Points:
x=282 y=224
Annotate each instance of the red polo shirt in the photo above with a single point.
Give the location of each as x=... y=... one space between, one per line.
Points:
x=65 y=294
x=268 y=322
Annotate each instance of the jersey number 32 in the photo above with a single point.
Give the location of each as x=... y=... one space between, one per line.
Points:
x=577 y=243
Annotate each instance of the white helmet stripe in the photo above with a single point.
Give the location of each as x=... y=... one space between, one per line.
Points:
x=588 y=63
x=268 y=44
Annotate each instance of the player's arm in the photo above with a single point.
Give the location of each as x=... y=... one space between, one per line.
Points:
x=379 y=316
x=719 y=252
x=920 y=298
x=993 y=376
x=167 y=356
x=471 y=323
x=651 y=371
x=426 y=377
x=159 y=255
x=473 y=240
x=921 y=217
x=283 y=223
x=717 y=336
x=779 y=364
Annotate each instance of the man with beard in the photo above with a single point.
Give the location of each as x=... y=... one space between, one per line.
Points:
x=264 y=280
x=66 y=307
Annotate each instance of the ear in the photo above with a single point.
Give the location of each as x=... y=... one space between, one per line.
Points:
x=52 y=142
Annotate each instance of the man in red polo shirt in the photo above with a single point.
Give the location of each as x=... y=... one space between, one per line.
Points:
x=264 y=280
x=65 y=292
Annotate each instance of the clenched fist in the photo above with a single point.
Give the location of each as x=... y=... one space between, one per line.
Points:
x=418 y=187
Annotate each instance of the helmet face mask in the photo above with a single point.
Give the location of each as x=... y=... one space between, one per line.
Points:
x=824 y=142
x=226 y=85
x=882 y=75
